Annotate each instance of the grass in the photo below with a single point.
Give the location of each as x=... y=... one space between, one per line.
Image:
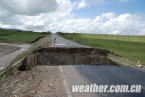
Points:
x=18 y=36
x=131 y=47
x=11 y=70
x=132 y=38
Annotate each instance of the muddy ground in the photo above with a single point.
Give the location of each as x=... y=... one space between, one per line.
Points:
x=6 y=49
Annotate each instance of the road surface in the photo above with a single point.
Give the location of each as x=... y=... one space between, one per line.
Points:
x=7 y=59
x=101 y=75
x=57 y=41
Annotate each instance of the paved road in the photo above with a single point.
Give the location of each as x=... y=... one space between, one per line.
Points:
x=101 y=75
x=7 y=59
x=61 y=42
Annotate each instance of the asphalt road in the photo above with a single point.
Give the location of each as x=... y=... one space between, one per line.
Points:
x=101 y=75
x=58 y=41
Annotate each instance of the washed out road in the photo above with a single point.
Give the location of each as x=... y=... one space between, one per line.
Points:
x=7 y=59
x=100 y=75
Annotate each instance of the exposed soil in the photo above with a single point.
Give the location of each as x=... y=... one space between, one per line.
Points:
x=45 y=78
x=41 y=81
x=66 y=56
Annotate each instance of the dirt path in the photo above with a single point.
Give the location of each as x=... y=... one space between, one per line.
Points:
x=6 y=49
x=10 y=52
x=41 y=81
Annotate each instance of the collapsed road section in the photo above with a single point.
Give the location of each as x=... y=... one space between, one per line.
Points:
x=66 y=56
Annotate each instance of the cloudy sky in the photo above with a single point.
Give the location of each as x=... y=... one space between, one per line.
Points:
x=83 y=16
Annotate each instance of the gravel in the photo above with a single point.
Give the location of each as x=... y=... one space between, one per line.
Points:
x=41 y=81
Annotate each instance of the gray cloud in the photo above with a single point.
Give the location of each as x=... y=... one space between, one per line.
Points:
x=27 y=7
x=44 y=15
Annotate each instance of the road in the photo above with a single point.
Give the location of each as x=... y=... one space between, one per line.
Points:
x=7 y=59
x=61 y=42
x=101 y=75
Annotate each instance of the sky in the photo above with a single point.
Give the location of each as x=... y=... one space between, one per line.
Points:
x=80 y=16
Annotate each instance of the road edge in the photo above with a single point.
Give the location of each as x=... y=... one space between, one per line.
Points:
x=69 y=94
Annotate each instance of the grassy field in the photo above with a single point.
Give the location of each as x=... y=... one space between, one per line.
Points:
x=17 y=36
x=131 y=47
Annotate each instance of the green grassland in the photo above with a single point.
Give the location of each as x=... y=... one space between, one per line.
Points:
x=19 y=36
x=131 y=47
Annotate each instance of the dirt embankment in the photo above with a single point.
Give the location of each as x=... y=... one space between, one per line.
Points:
x=44 y=79
x=66 y=56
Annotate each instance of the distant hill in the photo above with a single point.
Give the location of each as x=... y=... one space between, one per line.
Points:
x=7 y=29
